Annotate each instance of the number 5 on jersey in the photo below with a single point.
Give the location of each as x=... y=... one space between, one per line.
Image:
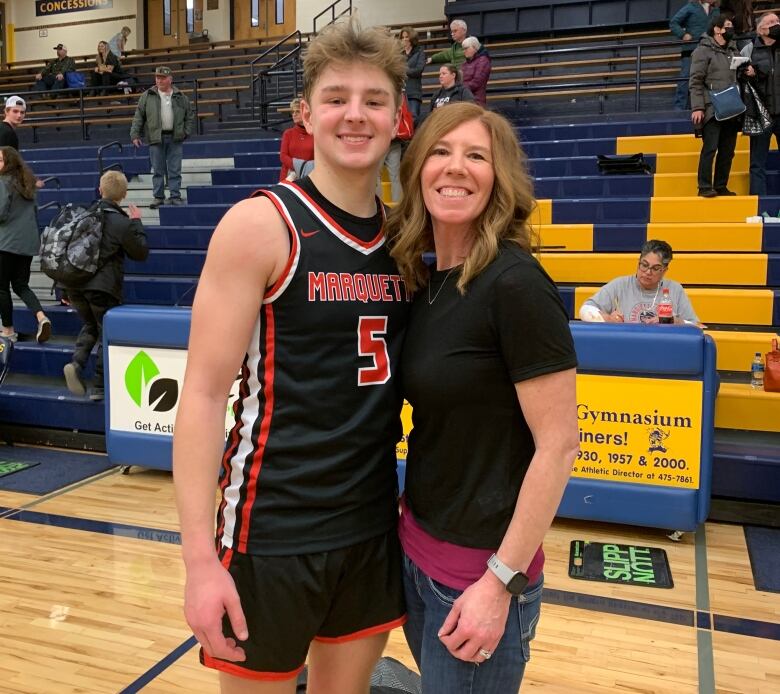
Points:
x=371 y=343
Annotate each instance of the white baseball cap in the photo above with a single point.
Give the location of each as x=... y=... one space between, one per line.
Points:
x=15 y=101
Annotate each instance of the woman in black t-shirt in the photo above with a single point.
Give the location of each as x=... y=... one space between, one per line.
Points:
x=489 y=369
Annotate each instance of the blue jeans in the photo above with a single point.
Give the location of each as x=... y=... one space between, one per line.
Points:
x=681 y=98
x=166 y=164
x=759 y=151
x=428 y=603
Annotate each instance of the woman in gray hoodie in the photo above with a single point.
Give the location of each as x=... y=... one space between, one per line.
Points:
x=19 y=241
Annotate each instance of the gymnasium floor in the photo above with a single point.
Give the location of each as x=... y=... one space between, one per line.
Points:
x=91 y=591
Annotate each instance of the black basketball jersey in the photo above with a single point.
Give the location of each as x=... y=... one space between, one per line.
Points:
x=310 y=463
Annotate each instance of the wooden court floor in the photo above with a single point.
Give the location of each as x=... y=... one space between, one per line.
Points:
x=91 y=596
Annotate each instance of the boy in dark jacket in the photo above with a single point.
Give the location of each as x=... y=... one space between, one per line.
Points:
x=123 y=235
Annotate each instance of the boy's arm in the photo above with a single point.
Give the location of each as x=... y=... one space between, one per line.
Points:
x=245 y=257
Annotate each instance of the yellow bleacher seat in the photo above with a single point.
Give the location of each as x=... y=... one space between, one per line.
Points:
x=733 y=269
x=729 y=306
x=703 y=210
x=656 y=144
x=736 y=348
x=735 y=236
x=679 y=184
x=738 y=406
x=688 y=162
x=569 y=237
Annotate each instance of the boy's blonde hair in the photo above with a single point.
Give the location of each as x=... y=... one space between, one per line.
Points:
x=346 y=43
x=113 y=186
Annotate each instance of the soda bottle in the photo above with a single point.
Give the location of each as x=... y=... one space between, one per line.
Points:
x=665 y=310
x=757 y=372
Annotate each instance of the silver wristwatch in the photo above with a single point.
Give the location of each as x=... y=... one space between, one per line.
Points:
x=515 y=581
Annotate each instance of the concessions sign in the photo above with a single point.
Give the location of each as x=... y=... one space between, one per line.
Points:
x=45 y=8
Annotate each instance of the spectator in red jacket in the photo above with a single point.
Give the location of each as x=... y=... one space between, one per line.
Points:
x=297 y=148
x=476 y=69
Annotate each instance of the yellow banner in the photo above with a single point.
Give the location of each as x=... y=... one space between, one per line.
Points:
x=402 y=447
x=640 y=430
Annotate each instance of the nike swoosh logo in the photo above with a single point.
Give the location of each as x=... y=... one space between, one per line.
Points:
x=307 y=234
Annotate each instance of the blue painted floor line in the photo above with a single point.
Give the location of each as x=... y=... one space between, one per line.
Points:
x=159 y=667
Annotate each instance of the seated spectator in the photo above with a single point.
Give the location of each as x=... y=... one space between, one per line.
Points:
x=454 y=54
x=53 y=75
x=476 y=69
x=451 y=90
x=15 y=111
x=634 y=298
x=297 y=150
x=122 y=236
x=118 y=41
x=415 y=64
x=108 y=69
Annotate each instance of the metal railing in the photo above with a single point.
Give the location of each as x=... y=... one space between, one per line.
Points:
x=102 y=169
x=333 y=16
x=618 y=50
x=276 y=77
x=37 y=101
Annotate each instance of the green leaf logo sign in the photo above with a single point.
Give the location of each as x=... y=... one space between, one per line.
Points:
x=141 y=376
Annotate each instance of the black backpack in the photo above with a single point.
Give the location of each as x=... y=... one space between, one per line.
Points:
x=70 y=244
x=623 y=164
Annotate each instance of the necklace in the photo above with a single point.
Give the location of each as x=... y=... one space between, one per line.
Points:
x=438 y=291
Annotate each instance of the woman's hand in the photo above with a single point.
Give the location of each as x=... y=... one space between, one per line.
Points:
x=477 y=620
x=750 y=71
x=697 y=117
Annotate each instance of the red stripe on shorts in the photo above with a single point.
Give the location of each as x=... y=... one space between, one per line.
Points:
x=363 y=633
x=245 y=673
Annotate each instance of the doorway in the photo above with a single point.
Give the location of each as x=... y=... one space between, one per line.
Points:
x=170 y=22
x=263 y=18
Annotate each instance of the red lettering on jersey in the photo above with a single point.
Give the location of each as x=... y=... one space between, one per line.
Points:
x=384 y=280
x=347 y=287
x=316 y=286
x=361 y=293
x=334 y=288
x=343 y=286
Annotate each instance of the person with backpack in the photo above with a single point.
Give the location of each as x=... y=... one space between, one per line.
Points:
x=123 y=235
x=18 y=242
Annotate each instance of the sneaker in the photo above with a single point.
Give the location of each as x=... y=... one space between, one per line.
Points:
x=98 y=393
x=11 y=337
x=157 y=202
x=724 y=191
x=73 y=380
x=707 y=193
x=176 y=201
x=44 y=330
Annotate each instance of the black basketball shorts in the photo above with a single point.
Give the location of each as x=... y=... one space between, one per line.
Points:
x=290 y=601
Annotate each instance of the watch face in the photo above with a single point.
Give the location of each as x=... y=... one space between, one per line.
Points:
x=517 y=584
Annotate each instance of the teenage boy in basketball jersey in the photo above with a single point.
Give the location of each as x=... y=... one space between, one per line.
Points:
x=300 y=295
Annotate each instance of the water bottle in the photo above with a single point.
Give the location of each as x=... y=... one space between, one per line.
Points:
x=665 y=310
x=757 y=373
